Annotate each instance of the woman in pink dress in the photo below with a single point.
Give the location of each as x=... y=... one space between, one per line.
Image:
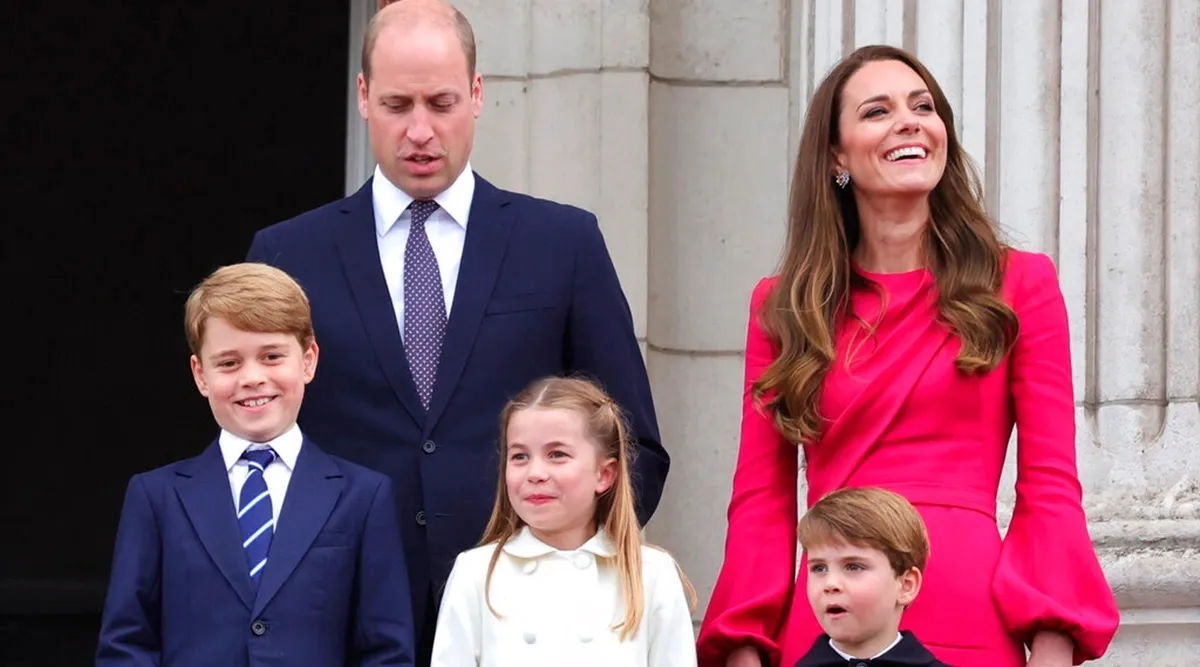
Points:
x=897 y=347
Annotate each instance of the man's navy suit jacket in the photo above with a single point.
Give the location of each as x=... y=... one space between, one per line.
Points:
x=536 y=295
x=334 y=590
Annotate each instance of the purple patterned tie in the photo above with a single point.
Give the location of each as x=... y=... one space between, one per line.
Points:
x=424 y=304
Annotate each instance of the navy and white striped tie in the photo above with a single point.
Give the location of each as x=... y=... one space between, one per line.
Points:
x=254 y=512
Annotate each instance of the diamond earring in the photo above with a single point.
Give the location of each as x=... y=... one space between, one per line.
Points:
x=842 y=179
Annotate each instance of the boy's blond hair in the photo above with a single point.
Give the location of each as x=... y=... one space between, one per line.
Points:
x=251 y=297
x=872 y=518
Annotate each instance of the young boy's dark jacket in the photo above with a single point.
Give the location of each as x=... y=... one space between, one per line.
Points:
x=908 y=652
x=334 y=592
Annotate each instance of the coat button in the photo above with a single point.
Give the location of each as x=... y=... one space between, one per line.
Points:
x=258 y=628
x=582 y=561
x=530 y=638
x=421 y=520
x=529 y=567
x=429 y=447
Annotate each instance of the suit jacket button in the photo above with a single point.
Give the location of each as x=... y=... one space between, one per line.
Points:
x=258 y=628
x=421 y=520
x=429 y=447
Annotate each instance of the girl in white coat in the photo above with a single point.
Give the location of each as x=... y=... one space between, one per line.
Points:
x=562 y=577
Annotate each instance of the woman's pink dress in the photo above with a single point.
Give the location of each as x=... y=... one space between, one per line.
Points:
x=902 y=417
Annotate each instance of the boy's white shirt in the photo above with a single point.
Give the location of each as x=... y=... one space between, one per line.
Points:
x=847 y=656
x=277 y=475
x=557 y=608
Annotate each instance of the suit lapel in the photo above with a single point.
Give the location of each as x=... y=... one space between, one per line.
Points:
x=360 y=259
x=490 y=223
x=203 y=488
x=313 y=491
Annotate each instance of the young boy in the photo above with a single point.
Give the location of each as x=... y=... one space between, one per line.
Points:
x=262 y=550
x=866 y=550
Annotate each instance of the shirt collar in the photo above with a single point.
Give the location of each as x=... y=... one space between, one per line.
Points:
x=853 y=657
x=391 y=202
x=525 y=545
x=286 y=446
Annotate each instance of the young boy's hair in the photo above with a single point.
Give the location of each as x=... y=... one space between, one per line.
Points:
x=616 y=514
x=868 y=517
x=251 y=297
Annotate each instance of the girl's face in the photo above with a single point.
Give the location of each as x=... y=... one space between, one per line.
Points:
x=554 y=474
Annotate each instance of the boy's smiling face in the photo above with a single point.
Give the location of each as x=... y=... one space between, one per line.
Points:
x=857 y=597
x=254 y=382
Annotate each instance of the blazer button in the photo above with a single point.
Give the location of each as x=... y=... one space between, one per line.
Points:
x=258 y=628
x=429 y=447
x=421 y=520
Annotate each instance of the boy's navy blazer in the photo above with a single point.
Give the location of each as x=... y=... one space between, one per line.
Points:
x=537 y=295
x=334 y=590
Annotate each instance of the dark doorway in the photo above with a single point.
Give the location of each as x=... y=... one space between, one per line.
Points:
x=148 y=142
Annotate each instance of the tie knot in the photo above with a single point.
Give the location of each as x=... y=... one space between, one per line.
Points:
x=259 y=458
x=421 y=210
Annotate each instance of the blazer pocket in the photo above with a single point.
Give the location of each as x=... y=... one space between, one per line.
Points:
x=329 y=539
x=516 y=303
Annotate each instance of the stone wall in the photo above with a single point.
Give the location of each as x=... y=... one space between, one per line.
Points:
x=676 y=121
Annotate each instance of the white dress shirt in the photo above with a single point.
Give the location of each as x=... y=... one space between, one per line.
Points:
x=277 y=475
x=446 y=229
x=557 y=608
x=847 y=656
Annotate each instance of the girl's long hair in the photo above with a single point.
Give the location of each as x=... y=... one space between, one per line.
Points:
x=615 y=514
x=802 y=310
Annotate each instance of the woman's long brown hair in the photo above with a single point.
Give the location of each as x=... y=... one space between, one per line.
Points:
x=802 y=310
x=616 y=515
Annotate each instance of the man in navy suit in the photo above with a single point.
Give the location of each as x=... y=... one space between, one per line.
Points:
x=262 y=550
x=438 y=296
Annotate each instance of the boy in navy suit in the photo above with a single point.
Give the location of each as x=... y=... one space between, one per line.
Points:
x=262 y=550
x=866 y=550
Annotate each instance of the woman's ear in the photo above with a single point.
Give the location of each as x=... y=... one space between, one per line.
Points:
x=839 y=160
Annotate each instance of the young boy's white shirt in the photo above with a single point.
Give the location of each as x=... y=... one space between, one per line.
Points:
x=558 y=608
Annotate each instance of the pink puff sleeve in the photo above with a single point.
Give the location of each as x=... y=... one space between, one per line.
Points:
x=754 y=588
x=1048 y=576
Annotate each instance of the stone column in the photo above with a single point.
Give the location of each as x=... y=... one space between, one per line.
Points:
x=565 y=108
x=720 y=124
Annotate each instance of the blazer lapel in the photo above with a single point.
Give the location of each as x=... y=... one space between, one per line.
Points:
x=203 y=489
x=360 y=260
x=490 y=223
x=313 y=491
